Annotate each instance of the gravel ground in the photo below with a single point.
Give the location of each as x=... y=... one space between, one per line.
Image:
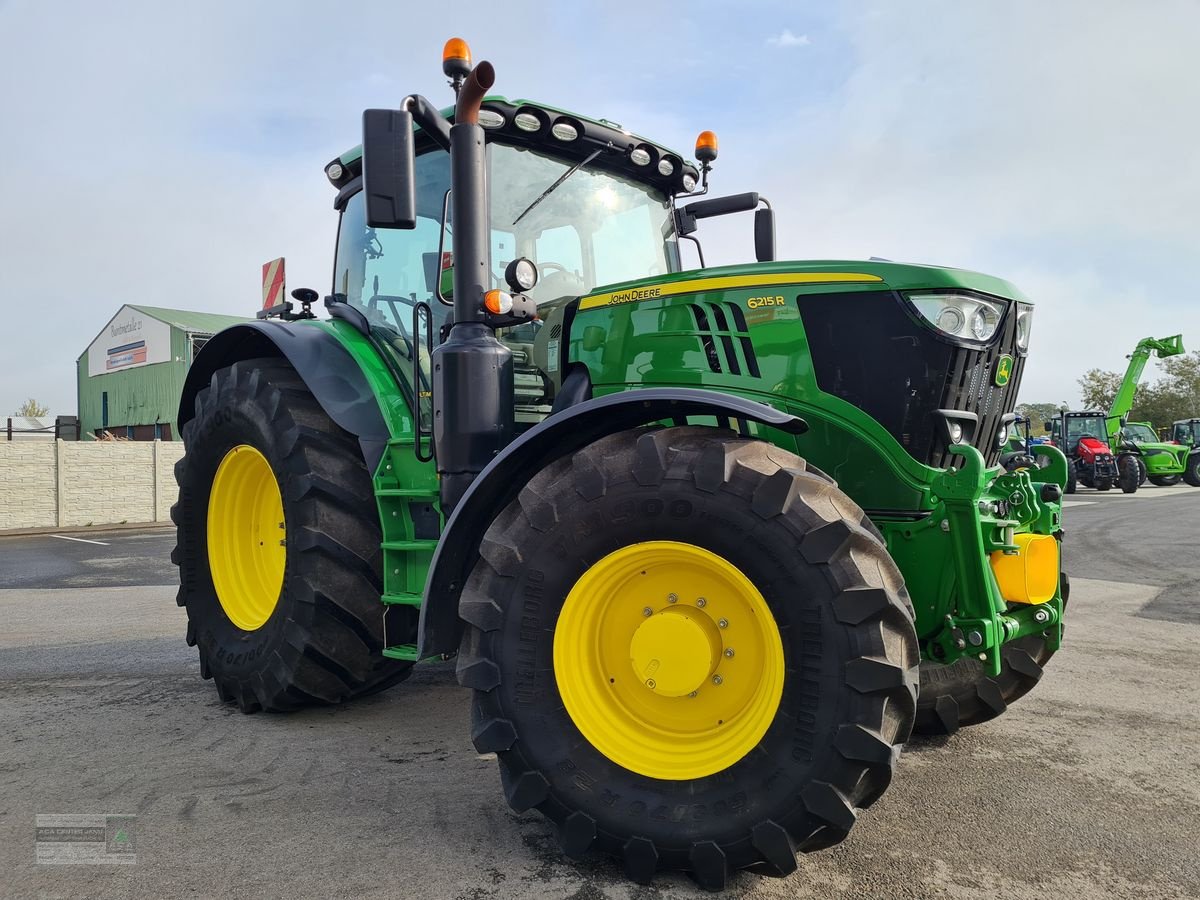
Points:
x=1089 y=787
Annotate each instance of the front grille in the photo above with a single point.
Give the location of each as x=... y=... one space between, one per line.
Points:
x=870 y=350
x=971 y=387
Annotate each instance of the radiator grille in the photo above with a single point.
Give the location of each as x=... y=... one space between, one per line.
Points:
x=725 y=337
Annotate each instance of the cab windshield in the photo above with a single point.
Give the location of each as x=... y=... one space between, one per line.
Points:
x=594 y=228
x=1139 y=433
x=1085 y=426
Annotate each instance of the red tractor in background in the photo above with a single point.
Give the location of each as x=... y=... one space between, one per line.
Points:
x=1082 y=436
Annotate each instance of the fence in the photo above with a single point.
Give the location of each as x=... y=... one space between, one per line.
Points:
x=56 y=484
x=37 y=428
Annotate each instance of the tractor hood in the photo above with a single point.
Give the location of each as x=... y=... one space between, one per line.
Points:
x=870 y=275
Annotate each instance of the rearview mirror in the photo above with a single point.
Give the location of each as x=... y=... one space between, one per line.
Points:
x=764 y=234
x=1046 y=427
x=388 y=161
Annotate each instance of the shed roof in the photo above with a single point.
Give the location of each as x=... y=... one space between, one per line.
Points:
x=195 y=322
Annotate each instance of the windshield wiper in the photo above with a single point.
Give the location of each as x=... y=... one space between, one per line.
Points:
x=565 y=175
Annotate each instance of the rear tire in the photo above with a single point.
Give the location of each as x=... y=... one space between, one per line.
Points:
x=322 y=640
x=1164 y=480
x=835 y=597
x=1104 y=484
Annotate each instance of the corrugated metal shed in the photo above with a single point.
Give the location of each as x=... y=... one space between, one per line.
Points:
x=131 y=375
x=191 y=322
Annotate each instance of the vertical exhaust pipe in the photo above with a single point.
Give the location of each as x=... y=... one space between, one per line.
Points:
x=472 y=371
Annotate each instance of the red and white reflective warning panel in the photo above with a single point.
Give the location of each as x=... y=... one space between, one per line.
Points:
x=274 y=290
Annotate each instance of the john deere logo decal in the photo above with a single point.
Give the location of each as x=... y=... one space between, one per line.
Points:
x=1003 y=370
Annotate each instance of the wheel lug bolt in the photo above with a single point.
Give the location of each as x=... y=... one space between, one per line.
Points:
x=647 y=611
x=729 y=653
x=722 y=623
x=672 y=598
x=717 y=679
x=693 y=693
x=650 y=683
x=701 y=602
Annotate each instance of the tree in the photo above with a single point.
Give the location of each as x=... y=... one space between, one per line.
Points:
x=1098 y=387
x=1039 y=413
x=32 y=409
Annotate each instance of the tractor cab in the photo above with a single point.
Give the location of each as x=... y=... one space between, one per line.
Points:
x=1138 y=433
x=584 y=202
x=1186 y=432
x=1067 y=430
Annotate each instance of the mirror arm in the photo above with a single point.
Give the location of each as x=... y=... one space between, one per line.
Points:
x=430 y=119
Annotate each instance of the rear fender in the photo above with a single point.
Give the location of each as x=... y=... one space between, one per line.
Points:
x=326 y=367
x=562 y=433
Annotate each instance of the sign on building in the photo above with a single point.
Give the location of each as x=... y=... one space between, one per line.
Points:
x=130 y=340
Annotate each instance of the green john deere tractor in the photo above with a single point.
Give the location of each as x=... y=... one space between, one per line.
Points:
x=695 y=536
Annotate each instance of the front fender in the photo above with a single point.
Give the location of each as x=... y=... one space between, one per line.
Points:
x=560 y=434
x=335 y=379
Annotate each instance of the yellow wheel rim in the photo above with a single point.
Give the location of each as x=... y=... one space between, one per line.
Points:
x=246 y=552
x=668 y=660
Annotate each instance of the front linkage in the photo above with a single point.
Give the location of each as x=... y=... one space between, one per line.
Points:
x=1006 y=519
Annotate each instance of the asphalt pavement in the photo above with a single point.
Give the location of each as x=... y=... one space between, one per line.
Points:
x=1089 y=787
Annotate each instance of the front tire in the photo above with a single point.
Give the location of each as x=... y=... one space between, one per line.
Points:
x=1130 y=469
x=311 y=631
x=832 y=599
x=962 y=693
x=1192 y=473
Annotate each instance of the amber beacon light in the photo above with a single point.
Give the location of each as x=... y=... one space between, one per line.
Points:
x=456 y=58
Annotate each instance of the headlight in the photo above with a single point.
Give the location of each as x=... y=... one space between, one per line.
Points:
x=521 y=274
x=956 y=432
x=960 y=315
x=1024 y=324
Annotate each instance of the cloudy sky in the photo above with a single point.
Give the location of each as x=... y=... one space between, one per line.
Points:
x=159 y=153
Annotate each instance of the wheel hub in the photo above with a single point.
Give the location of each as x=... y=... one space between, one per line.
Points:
x=645 y=660
x=246 y=537
x=675 y=651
